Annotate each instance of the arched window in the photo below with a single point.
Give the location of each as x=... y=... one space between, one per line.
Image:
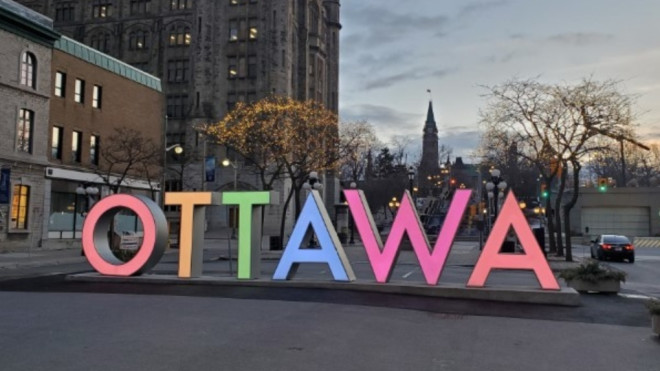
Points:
x=137 y=40
x=180 y=36
x=29 y=70
x=101 y=41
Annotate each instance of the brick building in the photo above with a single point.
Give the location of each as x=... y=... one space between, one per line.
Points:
x=25 y=63
x=93 y=95
x=211 y=54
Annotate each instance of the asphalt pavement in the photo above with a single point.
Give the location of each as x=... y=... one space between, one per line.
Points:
x=49 y=323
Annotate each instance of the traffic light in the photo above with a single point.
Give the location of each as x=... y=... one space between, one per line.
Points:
x=544 y=190
x=602 y=184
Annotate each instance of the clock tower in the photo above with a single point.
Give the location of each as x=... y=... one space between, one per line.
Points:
x=430 y=158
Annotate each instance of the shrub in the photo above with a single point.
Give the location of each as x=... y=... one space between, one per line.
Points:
x=593 y=272
x=654 y=306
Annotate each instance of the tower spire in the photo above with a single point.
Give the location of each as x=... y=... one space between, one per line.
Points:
x=430 y=118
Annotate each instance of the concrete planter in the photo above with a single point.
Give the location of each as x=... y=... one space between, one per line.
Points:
x=607 y=287
x=655 y=323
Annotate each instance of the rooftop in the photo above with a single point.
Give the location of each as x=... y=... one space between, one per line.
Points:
x=107 y=62
x=26 y=13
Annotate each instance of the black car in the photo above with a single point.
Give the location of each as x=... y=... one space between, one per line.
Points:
x=609 y=246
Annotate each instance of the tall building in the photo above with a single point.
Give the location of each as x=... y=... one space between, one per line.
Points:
x=211 y=54
x=428 y=167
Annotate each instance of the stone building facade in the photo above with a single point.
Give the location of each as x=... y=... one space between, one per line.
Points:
x=211 y=54
x=25 y=64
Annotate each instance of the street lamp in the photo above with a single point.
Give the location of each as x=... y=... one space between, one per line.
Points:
x=353 y=185
x=394 y=204
x=226 y=163
x=176 y=147
x=89 y=192
x=411 y=178
x=312 y=183
x=495 y=186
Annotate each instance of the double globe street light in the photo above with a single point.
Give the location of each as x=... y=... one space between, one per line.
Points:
x=495 y=186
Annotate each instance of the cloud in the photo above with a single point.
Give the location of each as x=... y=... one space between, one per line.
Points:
x=479 y=7
x=410 y=75
x=463 y=140
x=580 y=38
x=377 y=25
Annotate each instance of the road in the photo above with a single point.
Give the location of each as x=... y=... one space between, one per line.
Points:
x=643 y=275
x=49 y=323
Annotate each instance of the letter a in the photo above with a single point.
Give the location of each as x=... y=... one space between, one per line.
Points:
x=491 y=258
x=331 y=252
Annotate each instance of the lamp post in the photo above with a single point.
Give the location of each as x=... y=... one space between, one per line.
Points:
x=495 y=186
x=88 y=191
x=394 y=204
x=226 y=163
x=353 y=185
x=411 y=179
x=312 y=183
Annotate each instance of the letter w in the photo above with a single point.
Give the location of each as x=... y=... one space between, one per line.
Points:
x=406 y=221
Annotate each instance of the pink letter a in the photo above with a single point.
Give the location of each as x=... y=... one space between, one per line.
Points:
x=491 y=258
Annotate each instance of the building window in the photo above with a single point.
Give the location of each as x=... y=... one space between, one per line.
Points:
x=60 y=84
x=180 y=36
x=252 y=67
x=177 y=70
x=181 y=4
x=24 y=130
x=253 y=32
x=19 y=207
x=76 y=146
x=28 y=70
x=137 y=40
x=94 y=143
x=140 y=6
x=101 y=42
x=79 y=94
x=177 y=105
x=233 y=31
x=172 y=186
x=56 y=143
x=101 y=9
x=64 y=12
x=97 y=97
x=232 y=72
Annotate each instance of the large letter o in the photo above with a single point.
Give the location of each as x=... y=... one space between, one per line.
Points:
x=95 y=235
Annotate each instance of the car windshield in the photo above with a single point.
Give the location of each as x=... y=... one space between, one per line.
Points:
x=615 y=239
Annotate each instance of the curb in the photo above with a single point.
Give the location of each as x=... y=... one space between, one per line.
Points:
x=564 y=297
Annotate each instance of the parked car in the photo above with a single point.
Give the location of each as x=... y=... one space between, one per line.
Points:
x=609 y=246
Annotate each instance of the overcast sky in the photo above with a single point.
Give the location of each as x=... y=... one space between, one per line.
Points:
x=394 y=50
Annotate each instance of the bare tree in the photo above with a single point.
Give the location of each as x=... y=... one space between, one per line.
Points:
x=555 y=127
x=356 y=140
x=126 y=152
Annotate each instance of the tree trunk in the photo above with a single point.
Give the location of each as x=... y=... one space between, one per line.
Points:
x=551 y=227
x=567 y=208
x=560 y=195
x=283 y=221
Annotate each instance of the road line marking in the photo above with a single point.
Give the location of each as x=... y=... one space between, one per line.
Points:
x=635 y=296
x=409 y=273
